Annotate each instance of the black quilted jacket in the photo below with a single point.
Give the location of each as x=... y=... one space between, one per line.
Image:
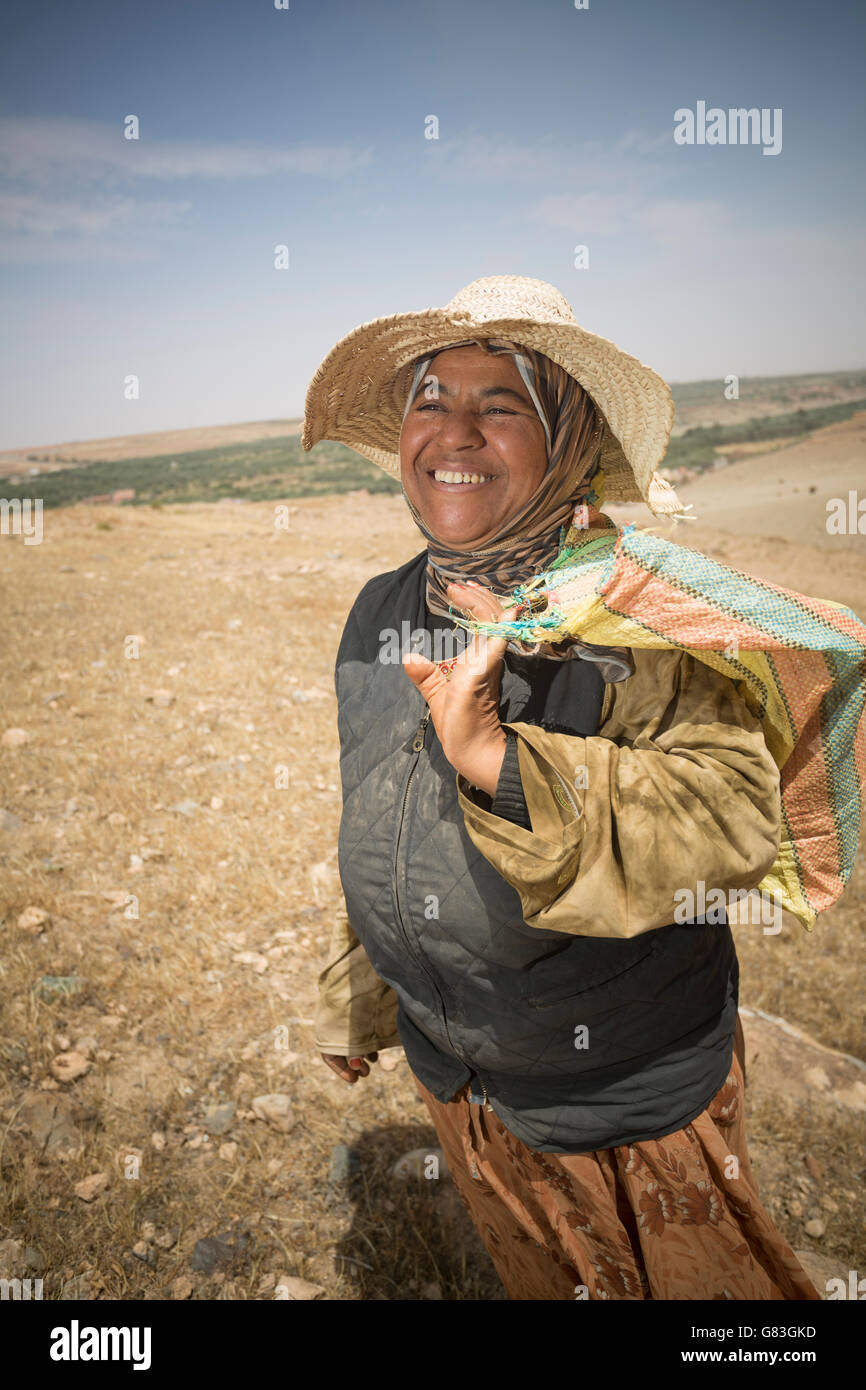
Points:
x=577 y=1042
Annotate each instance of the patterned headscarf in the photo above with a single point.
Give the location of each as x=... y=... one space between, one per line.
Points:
x=529 y=541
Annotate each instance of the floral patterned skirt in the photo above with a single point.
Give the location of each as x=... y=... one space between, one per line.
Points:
x=672 y=1218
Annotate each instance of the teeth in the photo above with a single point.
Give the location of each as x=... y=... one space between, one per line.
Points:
x=444 y=476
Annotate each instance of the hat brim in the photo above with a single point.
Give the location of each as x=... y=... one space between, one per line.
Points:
x=358 y=394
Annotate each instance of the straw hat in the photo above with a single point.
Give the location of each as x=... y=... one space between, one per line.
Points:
x=358 y=394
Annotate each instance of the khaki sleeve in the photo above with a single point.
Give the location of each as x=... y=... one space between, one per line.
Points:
x=356 y=1011
x=677 y=786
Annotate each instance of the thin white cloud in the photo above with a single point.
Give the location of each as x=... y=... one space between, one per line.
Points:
x=585 y=213
x=38 y=215
x=40 y=151
x=471 y=156
x=666 y=222
x=678 y=222
x=73 y=189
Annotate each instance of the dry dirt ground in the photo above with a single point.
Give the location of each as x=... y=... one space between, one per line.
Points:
x=785 y=493
x=189 y=889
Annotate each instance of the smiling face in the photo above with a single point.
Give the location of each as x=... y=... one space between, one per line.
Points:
x=472 y=455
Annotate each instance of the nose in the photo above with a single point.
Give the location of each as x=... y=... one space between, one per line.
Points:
x=458 y=429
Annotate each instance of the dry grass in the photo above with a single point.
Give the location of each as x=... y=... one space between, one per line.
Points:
x=239 y=626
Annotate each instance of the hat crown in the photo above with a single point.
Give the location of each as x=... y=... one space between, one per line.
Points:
x=510 y=297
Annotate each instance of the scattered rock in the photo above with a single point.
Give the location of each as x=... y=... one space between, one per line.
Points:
x=225 y=1251
x=821 y=1268
x=227 y=765
x=296 y=1290
x=77 y=1289
x=9 y=822
x=117 y=818
x=161 y=698
x=181 y=1289
x=228 y=1152
x=157 y=1141
x=70 y=1066
x=815 y=1167
x=49 y=1118
x=33 y=919
x=11 y=1259
x=52 y=987
x=391 y=1059
x=219 y=1118
x=148 y=1232
x=417 y=1164
x=168 y=1239
x=853 y=1096
x=818 y=1079
x=142 y=1251
x=431 y=1291
x=209 y=1254
x=786 y=1061
x=815 y=1228
x=88 y=1189
x=345 y=1164
x=253 y=958
x=16 y=738
x=275 y=1110
x=303 y=697
x=185 y=808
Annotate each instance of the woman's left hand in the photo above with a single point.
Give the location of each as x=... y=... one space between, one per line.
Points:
x=464 y=706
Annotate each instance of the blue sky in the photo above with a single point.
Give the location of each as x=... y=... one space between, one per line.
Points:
x=306 y=127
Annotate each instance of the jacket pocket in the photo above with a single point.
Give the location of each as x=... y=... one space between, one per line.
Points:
x=598 y=961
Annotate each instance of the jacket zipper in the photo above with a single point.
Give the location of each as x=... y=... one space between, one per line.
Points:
x=567 y=794
x=417 y=746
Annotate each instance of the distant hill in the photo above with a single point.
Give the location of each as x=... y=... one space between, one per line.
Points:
x=700 y=404
x=51 y=458
x=263 y=460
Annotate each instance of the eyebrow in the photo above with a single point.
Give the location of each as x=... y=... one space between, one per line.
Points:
x=487 y=392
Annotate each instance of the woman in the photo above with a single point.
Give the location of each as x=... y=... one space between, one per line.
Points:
x=521 y=820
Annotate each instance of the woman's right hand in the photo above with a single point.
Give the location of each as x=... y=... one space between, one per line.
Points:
x=349 y=1068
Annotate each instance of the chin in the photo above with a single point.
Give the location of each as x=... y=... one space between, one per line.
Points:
x=456 y=535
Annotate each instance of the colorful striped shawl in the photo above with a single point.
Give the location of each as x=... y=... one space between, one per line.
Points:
x=799 y=662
